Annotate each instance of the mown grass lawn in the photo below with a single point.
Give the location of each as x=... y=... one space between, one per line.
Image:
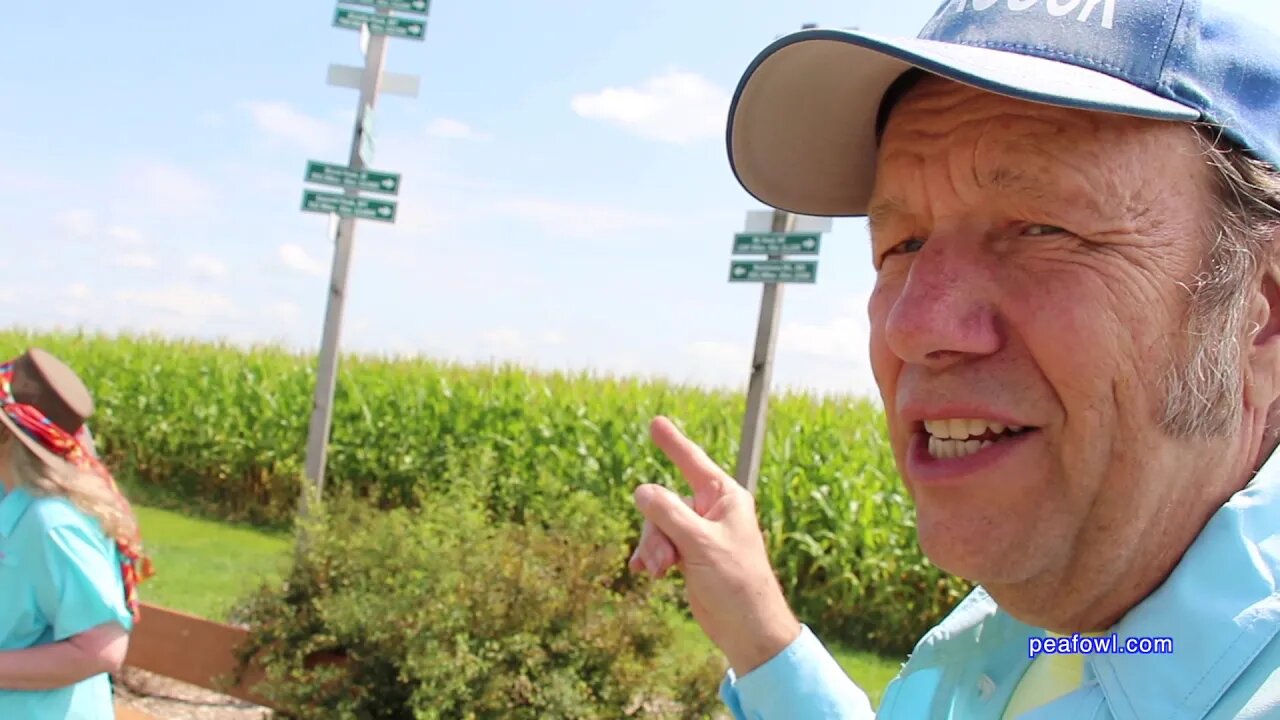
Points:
x=204 y=567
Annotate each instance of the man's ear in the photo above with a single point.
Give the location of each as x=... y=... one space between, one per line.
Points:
x=1262 y=383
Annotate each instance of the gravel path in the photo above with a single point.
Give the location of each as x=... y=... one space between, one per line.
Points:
x=172 y=700
x=169 y=699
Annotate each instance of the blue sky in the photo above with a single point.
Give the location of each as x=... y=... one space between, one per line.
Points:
x=566 y=199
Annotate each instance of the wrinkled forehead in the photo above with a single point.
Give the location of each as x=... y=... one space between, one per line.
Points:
x=1017 y=150
x=920 y=90
x=923 y=110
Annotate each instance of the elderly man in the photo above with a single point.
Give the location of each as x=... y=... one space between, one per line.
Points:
x=1073 y=208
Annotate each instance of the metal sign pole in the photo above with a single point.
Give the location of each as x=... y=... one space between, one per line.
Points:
x=753 y=424
x=348 y=208
x=751 y=448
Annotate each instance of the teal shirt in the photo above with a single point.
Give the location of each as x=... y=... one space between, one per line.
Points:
x=1220 y=606
x=59 y=576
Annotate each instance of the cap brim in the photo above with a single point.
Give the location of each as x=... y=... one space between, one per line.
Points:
x=801 y=127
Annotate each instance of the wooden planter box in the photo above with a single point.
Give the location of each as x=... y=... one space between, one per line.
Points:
x=193 y=650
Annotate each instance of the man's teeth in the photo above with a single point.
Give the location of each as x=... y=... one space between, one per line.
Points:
x=956 y=438
x=963 y=429
x=955 y=448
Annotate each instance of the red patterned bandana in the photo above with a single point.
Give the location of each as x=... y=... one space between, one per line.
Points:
x=134 y=565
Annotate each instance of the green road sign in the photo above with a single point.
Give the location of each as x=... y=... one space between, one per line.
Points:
x=777 y=243
x=773 y=271
x=413 y=6
x=357 y=207
x=380 y=24
x=371 y=180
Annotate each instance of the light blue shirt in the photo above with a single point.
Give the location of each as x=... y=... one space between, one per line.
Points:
x=1221 y=607
x=59 y=576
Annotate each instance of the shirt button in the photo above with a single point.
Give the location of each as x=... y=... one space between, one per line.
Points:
x=986 y=687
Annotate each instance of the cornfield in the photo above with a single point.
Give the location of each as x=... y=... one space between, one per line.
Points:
x=219 y=429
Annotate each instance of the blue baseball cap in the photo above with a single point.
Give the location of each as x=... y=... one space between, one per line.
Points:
x=802 y=127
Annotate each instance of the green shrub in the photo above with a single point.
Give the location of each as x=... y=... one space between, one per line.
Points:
x=442 y=612
x=202 y=427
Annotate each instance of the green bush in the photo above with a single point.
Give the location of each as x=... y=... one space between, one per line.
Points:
x=215 y=428
x=442 y=612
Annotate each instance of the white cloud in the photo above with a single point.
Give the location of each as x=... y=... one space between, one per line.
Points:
x=844 y=336
x=827 y=356
x=181 y=300
x=126 y=234
x=420 y=218
x=717 y=363
x=295 y=257
x=283 y=311
x=621 y=363
x=280 y=121
x=207 y=266
x=502 y=341
x=578 y=218
x=719 y=352
x=443 y=127
x=675 y=107
x=138 y=260
x=355 y=334
x=168 y=189
x=514 y=343
x=833 y=354
x=78 y=222
x=74 y=302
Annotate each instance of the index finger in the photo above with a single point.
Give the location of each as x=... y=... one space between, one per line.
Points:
x=701 y=472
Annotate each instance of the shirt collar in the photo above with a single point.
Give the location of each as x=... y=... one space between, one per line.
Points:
x=12 y=506
x=1220 y=606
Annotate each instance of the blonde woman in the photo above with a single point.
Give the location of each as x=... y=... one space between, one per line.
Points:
x=70 y=558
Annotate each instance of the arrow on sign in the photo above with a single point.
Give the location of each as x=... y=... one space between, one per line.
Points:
x=773 y=271
x=776 y=243
x=348 y=206
x=346 y=177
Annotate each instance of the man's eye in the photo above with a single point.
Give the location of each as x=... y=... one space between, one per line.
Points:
x=910 y=245
x=1042 y=230
x=906 y=247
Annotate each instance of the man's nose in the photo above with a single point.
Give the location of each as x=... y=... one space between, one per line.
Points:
x=944 y=312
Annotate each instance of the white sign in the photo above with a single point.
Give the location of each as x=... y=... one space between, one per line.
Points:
x=392 y=83
x=761 y=221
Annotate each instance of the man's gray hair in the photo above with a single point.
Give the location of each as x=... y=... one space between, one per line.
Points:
x=1205 y=389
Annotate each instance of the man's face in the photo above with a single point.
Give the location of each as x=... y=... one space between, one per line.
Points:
x=1032 y=272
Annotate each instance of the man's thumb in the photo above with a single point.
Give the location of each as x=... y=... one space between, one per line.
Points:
x=669 y=513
